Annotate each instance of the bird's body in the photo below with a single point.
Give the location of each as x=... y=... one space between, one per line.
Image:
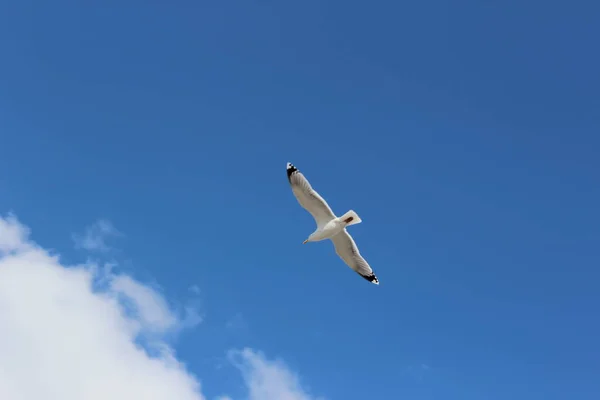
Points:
x=330 y=229
x=329 y=226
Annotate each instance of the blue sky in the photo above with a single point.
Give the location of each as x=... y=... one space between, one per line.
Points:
x=465 y=135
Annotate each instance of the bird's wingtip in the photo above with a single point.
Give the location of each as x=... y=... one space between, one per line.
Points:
x=371 y=278
x=290 y=170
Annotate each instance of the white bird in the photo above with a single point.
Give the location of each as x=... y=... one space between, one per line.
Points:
x=328 y=225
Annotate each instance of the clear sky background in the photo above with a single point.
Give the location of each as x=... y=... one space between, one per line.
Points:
x=464 y=133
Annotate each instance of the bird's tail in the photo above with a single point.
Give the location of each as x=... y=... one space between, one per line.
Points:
x=351 y=218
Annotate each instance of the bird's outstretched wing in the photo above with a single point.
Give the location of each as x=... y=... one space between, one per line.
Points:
x=308 y=197
x=347 y=250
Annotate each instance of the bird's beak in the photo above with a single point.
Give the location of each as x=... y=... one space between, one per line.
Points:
x=306 y=241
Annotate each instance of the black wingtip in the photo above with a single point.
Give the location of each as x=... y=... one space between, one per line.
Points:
x=290 y=170
x=371 y=278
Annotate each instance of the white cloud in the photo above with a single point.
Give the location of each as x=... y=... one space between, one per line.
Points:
x=60 y=339
x=94 y=238
x=71 y=333
x=268 y=379
x=151 y=309
x=13 y=235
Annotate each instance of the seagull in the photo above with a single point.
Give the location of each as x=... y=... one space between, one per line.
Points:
x=328 y=225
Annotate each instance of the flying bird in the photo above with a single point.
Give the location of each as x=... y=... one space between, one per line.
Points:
x=328 y=225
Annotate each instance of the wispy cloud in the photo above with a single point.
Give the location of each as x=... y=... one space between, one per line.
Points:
x=268 y=379
x=96 y=235
x=237 y=322
x=73 y=331
x=418 y=371
x=151 y=309
x=194 y=289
